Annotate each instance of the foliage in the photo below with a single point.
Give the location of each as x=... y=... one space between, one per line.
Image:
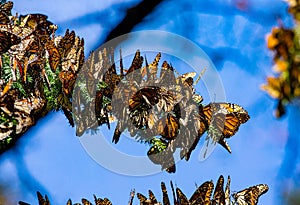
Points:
x=33 y=71
x=284 y=42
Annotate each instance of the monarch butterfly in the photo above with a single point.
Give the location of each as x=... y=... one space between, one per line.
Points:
x=53 y=55
x=38 y=23
x=145 y=107
x=42 y=200
x=85 y=202
x=181 y=198
x=250 y=195
x=99 y=201
x=29 y=105
x=142 y=198
x=166 y=200
x=152 y=197
x=74 y=58
x=169 y=127
x=164 y=157
x=7 y=7
x=223 y=121
x=181 y=79
x=202 y=194
x=65 y=43
x=136 y=62
x=5 y=12
x=219 y=194
x=68 y=79
x=152 y=68
x=167 y=76
x=227 y=192
x=7 y=40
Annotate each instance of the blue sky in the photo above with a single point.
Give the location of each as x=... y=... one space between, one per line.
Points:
x=51 y=159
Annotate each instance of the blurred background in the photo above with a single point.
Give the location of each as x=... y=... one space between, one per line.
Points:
x=49 y=158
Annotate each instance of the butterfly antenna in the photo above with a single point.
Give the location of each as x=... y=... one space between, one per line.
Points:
x=200 y=76
x=132 y=193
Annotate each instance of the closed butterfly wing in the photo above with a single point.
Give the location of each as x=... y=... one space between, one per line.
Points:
x=7 y=7
x=202 y=195
x=227 y=192
x=166 y=200
x=182 y=199
x=54 y=56
x=167 y=76
x=106 y=201
x=152 y=68
x=200 y=126
x=69 y=202
x=68 y=79
x=169 y=127
x=42 y=200
x=142 y=198
x=219 y=194
x=7 y=40
x=250 y=195
x=5 y=12
x=65 y=43
x=136 y=62
x=85 y=202
x=152 y=197
x=99 y=201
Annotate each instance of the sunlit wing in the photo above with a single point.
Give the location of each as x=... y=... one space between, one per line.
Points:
x=250 y=195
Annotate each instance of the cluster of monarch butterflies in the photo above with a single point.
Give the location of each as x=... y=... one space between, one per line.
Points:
x=284 y=42
x=45 y=201
x=152 y=104
x=37 y=71
x=205 y=194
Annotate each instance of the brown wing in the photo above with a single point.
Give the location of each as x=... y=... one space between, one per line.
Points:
x=7 y=7
x=85 y=202
x=42 y=200
x=142 y=198
x=227 y=192
x=7 y=40
x=250 y=195
x=167 y=76
x=219 y=194
x=202 y=194
x=166 y=200
x=152 y=68
x=169 y=127
x=224 y=120
x=54 y=56
x=65 y=43
x=182 y=199
x=136 y=62
x=152 y=197
x=69 y=202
